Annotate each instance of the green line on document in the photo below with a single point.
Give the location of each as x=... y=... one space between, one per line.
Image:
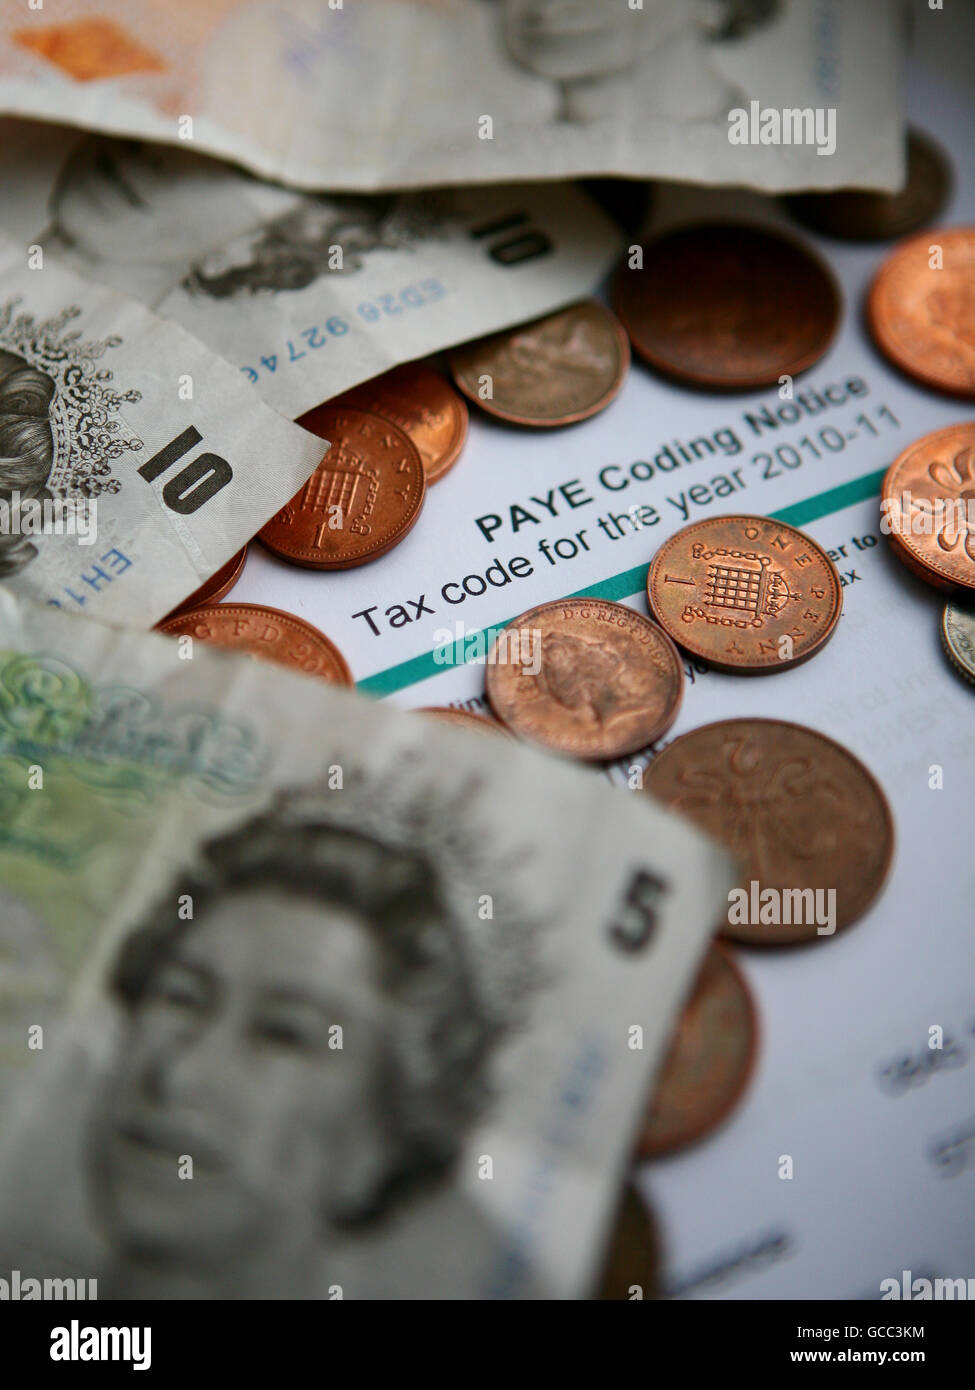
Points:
x=627 y=584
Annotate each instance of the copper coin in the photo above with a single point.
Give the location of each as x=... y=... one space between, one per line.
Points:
x=424 y=405
x=586 y=677
x=745 y=593
x=265 y=633
x=922 y=317
x=557 y=370
x=219 y=584
x=361 y=500
x=632 y=1259
x=709 y=1062
x=802 y=814
x=730 y=306
x=463 y=718
x=928 y=501
x=958 y=639
x=856 y=215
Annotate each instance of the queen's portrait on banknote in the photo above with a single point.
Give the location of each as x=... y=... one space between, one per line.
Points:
x=144 y=211
x=552 y=67
x=150 y=218
x=610 y=60
x=294 y=250
x=311 y=1039
x=301 y=1046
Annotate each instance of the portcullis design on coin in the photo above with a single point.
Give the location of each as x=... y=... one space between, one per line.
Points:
x=745 y=593
x=361 y=500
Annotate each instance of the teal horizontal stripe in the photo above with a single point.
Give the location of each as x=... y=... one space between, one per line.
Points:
x=626 y=584
x=825 y=503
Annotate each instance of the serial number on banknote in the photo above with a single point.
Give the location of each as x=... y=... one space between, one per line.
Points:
x=370 y=311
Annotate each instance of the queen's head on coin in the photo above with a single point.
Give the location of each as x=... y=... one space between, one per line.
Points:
x=301 y=1045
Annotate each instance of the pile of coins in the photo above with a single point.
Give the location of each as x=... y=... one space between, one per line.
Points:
x=389 y=440
x=721 y=307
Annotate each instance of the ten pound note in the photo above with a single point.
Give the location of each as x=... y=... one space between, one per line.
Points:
x=133 y=461
x=303 y=996
x=307 y=294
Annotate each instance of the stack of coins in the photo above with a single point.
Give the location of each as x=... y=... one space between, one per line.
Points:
x=393 y=437
x=389 y=440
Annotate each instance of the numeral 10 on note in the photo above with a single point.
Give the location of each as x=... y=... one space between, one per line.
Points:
x=196 y=482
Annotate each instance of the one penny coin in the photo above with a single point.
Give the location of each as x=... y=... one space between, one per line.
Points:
x=266 y=633
x=745 y=593
x=709 y=1062
x=361 y=500
x=216 y=587
x=633 y=1251
x=928 y=498
x=555 y=371
x=585 y=677
x=728 y=306
x=958 y=638
x=857 y=215
x=921 y=309
x=802 y=814
x=424 y=405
